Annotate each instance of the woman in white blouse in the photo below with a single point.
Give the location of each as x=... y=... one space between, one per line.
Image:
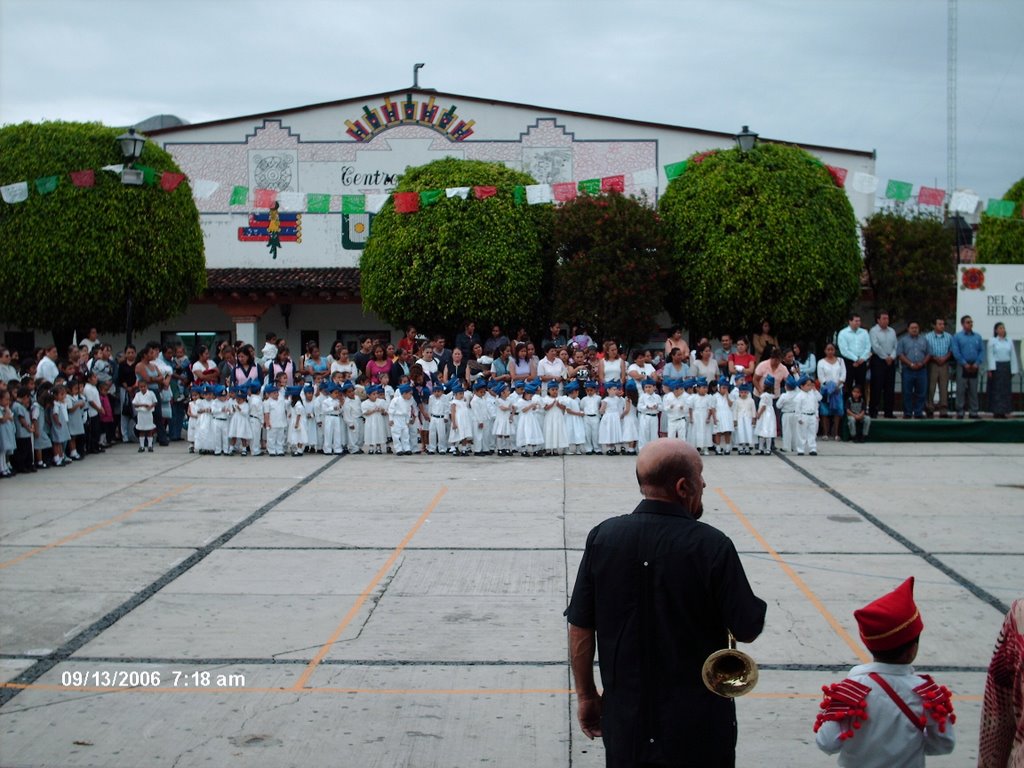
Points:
x=1002 y=367
x=831 y=370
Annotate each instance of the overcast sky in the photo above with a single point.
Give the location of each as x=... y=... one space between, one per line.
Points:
x=860 y=74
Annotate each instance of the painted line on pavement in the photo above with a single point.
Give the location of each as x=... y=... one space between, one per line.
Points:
x=928 y=557
x=92 y=528
x=64 y=652
x=365 y=594
x=856 y=647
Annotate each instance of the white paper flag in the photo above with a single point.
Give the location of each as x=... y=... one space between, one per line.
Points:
x=292 y=201
x=15 y=193
x=113 y=168
x=645 y=178
x=865 y=183
x=462 y=192
x=203 y=189
x=538 y=193
x=375 y=202
x=964 y=202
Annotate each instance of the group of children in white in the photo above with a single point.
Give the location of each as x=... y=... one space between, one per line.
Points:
x=529 y=418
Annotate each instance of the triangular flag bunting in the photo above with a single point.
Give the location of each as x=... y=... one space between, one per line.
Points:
x=590 y=186
x=538 y=193
x=239 y=196
x=482 y=193
x=564 y=192
x=931 y=196
x=698 y=159
x=203 y=189
x=838 y=175
x=353 y=203
x=613 y=184
x=430 y=196
x=318 y=203
x=264 y=198
x=675 y=170
x=407 y=202
x=46 y=184
x=83 y=178
x=519 y=194
x=865 y=183
x=898 y=190
x=964 y=202
x=170 y=181
x=148 y=174
x=1000 y=209
x=374 y=202
x=460 y=192
x=15 y=193
x=291 y=201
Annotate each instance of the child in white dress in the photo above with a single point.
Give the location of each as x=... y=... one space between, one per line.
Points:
x=461 y=436
x=529 y=436
x=765 y=429
x=556 y=440
x=255 y=418
x=296 y=421
x=744 y=411
x=573 y=410
x=591 y=405
x=723 y=418
x=239 y=432
x=481 y=417
x=310 y=417
x=503 y=419
x=613 y=411
x=375 y=416
x=702 y=417
x=204 y=421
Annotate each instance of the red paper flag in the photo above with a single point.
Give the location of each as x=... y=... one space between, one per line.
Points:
x=170 y=181
x=564 y=192
x=265 y=198
x=407 y=202
x=931 y=196
x=613 y=184
x=838 y=175
x=481 y=193
x=83 y=178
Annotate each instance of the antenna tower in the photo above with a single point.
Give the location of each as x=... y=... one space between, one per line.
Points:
x=951 y=24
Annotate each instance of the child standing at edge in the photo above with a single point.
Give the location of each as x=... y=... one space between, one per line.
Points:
x=743 y=414
x=145 y=405
x=857 y=419
x=765 y=428
x=884 y=714
x=591 y=405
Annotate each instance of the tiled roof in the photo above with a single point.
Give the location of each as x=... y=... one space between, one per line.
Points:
x=332 y=281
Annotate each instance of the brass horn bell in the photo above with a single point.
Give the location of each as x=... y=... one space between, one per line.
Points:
x=728 y=672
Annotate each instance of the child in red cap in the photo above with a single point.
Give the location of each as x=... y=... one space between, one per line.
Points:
x=884 y=714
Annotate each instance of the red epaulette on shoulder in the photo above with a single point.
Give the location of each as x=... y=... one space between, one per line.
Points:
x=938 y=702
x=845 y=699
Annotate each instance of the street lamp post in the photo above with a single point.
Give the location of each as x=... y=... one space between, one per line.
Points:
x=131 y=145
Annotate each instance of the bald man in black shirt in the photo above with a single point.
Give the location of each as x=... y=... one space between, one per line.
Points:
x=661 y=591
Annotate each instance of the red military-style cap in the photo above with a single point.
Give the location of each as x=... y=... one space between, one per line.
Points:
x=890 y=621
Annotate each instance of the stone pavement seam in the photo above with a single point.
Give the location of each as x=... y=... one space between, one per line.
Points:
x=928 y=557
x=64 y=652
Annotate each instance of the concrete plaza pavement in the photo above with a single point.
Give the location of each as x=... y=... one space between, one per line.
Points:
x=173 y=610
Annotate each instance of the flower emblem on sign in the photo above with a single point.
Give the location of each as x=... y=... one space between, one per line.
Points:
x=972 y=279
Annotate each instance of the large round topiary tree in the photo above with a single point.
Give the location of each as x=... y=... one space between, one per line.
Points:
x=1001 y=240
x=611 y=266
x=456 y=259
x=79 y=255
x=765 y=234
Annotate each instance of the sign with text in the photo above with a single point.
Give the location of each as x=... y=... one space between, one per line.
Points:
x=991 y=293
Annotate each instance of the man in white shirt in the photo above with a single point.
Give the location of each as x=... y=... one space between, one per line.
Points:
x=855 y=349
x=883 y=366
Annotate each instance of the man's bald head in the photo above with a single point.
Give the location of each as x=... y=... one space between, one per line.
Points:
x=670 y=470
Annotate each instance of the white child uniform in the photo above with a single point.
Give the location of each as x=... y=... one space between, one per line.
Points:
x=462 y=423
x=609 y=432
x=439 y=410
x=238 y=427
x=204 y=425
x=375 y=418
x=482 y=419
x=701 y=407
x=591 y=405
x=256 y=423
x=766 y=422
x=297 y=426
x=221 y=410
x=630 y=425
x=787 y=411
x=556 y=438
x=529 y=435
x=676 y=409
x=861 y=721
x=352 y=415
x=310 y=414
x=145 y=419
x=334 y=438
x=276 y=412
x=400 y=413
x=648 y=408
x=503 y=422
x=806 y=404
x=743 y=414
x=575 y=429
x=193 y=422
